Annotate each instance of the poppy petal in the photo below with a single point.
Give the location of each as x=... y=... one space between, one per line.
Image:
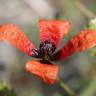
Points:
x=82 y=41
x=53 y=30
x=12 y=34
x=47 y=72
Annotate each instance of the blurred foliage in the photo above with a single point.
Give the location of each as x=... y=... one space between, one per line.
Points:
x=91 y=89
x=92 y=23
x=5 y=90
x=94 y=52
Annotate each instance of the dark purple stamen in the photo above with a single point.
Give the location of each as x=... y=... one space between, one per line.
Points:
x=46 y=50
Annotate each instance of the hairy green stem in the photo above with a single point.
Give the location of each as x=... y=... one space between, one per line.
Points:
x=66 y=88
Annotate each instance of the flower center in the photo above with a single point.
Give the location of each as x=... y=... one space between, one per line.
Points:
x=46 y=49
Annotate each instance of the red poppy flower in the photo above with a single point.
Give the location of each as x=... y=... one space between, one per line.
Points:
x=51 y=33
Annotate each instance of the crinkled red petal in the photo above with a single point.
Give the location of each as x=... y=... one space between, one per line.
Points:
x=12 y=34
x=82 y=41
x=48 y=73
x=53 y=30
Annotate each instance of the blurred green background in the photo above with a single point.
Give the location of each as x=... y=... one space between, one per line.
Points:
x=77 y=71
